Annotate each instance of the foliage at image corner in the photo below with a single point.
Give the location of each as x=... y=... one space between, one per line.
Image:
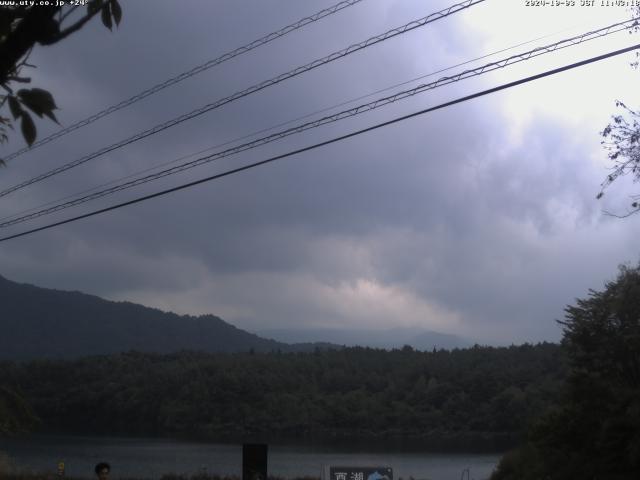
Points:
x=621 y=140
x=594 y=431
x=22 y=27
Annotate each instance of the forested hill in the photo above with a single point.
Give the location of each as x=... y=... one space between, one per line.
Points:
x=44 y=323
x=480 y=398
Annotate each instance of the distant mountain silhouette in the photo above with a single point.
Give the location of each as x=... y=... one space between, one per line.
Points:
x=418 y=338
x=45 y=323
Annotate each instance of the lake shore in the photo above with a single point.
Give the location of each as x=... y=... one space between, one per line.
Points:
x=168 y=476
x=149 y=458
x=391 y=441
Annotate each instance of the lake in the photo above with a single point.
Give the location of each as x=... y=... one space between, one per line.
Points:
x=150 y=458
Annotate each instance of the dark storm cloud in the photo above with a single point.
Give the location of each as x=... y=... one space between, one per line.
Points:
x=444 y=221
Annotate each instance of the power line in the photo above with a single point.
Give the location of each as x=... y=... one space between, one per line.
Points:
x=273 y=127
x=255 y=88
x=331 y=118
x=328 y=142
x=190 y=73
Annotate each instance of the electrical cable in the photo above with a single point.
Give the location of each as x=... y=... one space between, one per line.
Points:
x=190 y=73
x=332 y=118
x=330 y=141
x=255 y=88
x=281 y=124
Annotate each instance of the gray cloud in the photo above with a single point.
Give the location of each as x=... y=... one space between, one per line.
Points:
x=449 y=221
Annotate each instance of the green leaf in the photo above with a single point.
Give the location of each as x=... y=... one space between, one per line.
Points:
x=39 y=101
x=38 y=96
x=106 y=16
x=14 y=106
x=28 y=128
x=52 y=116
x=116 y=11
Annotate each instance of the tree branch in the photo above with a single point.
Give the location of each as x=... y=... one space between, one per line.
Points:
x=24 y=37
x=73 y=28
x=19 y=79
x=628 y=214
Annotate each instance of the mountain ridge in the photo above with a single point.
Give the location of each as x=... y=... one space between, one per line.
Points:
x=418 y=338
x=48 y=323
x=39 y=322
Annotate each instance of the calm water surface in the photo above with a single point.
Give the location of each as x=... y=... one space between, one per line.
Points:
x=150 y=458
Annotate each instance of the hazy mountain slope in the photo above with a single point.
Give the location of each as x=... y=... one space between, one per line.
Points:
x=37 y=322
x=391 y=338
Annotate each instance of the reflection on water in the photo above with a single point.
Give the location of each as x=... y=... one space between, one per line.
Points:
x=150 y=458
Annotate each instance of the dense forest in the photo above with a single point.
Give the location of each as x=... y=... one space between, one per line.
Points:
x=481 y=398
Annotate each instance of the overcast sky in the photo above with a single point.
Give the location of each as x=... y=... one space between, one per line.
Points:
x=478 y=220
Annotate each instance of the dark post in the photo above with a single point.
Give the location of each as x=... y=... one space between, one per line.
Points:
x=254 y=461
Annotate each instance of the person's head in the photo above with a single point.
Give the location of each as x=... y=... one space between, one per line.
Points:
x=102 y=470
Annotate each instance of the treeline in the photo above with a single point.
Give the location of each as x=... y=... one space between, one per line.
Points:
x=481 y=398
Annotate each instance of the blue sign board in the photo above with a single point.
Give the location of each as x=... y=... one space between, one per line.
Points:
x=360 y=473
